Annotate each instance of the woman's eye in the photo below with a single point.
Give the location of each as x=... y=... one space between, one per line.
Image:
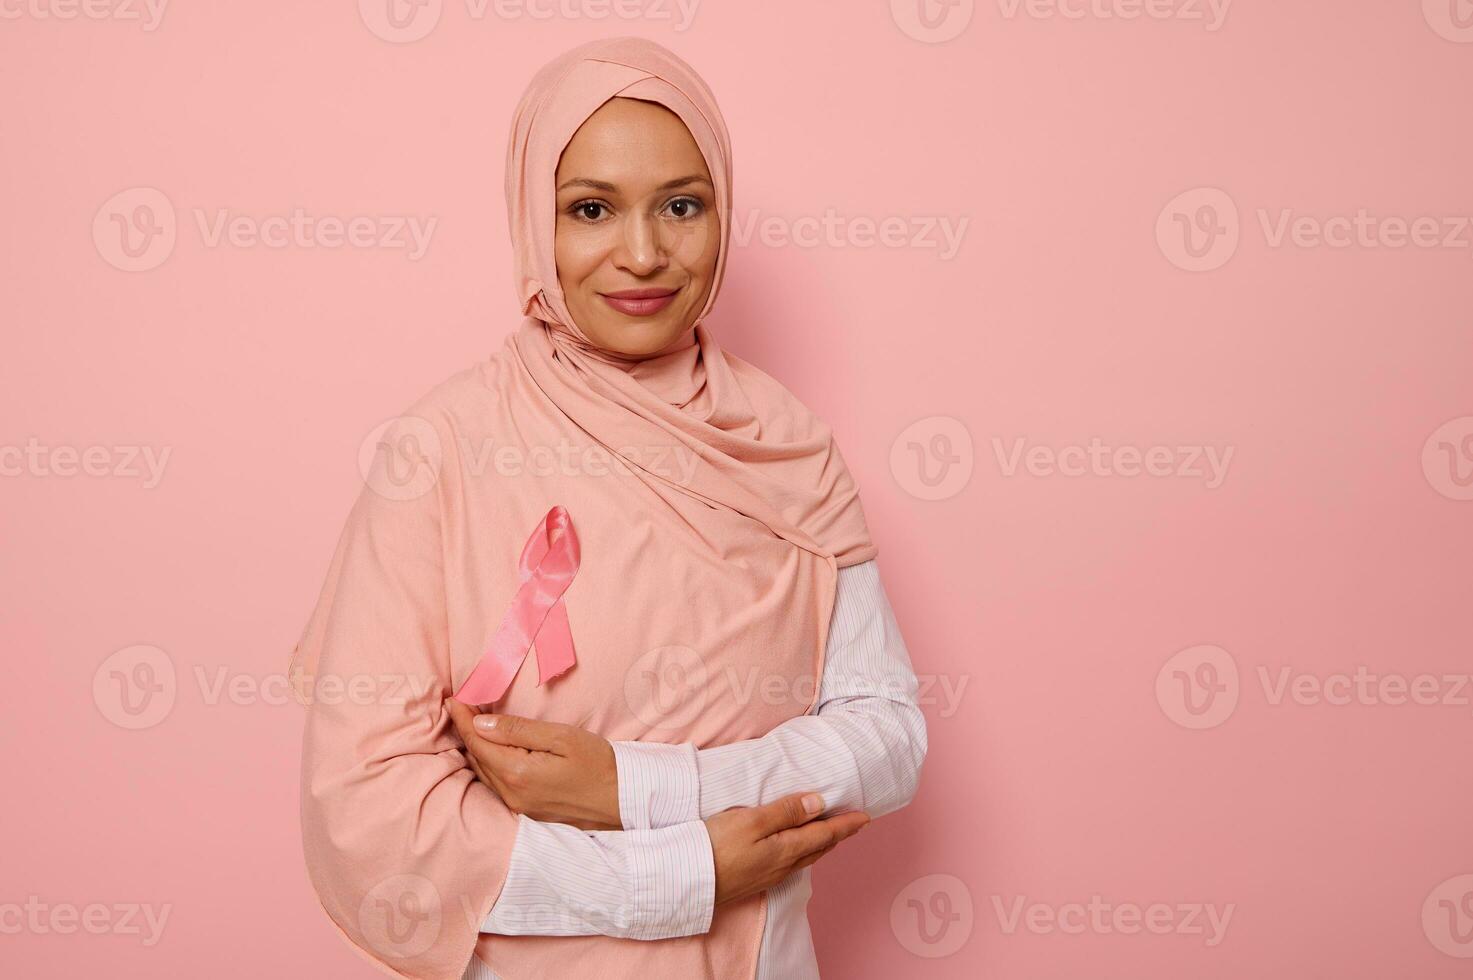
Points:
x=586 y=210
x=685 y=207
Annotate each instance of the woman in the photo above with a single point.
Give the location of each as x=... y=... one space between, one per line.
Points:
x=638 y=810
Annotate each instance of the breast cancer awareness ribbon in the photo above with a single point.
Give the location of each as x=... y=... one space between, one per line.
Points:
x=549 y=562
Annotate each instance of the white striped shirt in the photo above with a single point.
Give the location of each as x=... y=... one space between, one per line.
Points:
x=861 y=746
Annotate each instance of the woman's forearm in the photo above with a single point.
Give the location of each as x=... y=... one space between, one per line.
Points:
x=641 y=884
x=862 y=748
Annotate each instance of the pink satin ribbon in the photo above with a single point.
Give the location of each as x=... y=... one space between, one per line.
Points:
x=549 y=562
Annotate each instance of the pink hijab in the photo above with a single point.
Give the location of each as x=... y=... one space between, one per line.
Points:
x=713 y=511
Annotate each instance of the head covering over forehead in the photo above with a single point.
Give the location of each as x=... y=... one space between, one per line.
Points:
x=560 y=99
x=712 y=511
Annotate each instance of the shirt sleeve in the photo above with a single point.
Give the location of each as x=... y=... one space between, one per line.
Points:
x=861 y=746
x=634 y=884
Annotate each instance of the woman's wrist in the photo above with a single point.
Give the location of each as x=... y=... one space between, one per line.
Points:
x=658 y=784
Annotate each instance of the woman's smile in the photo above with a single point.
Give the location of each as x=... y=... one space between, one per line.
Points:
x=641 y=302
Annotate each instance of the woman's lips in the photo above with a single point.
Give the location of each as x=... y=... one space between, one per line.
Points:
x=640 y=302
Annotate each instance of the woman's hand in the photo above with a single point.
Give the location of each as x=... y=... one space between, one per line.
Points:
x=550 y=772
x=756 y=847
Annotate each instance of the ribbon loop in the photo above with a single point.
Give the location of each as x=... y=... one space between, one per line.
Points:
x=549 y=561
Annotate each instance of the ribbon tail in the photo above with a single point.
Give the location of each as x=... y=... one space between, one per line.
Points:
x=554 y=644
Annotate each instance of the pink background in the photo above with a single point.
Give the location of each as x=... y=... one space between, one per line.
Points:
x=1339 y=538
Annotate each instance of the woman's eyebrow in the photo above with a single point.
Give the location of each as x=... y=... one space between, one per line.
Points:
x=603 y=185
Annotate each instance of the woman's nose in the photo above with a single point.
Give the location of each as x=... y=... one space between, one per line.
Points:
x=642 y=250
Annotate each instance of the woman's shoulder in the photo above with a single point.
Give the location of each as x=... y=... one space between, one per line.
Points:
x=467 y=390
x=772 y=397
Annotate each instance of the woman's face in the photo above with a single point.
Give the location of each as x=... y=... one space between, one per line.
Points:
x=637 y=229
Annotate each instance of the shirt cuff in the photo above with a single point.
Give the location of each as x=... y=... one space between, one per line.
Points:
x=659 y=784
x=674 y=881
x=638 y=884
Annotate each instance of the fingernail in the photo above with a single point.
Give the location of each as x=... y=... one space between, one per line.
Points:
x=813 y=803
x=485 y=722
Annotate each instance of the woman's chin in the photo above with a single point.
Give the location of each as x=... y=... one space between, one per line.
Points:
x=638 y=337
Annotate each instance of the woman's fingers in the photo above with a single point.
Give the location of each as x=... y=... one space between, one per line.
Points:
x=790 y=827
x=524 y=733
x=463 y=717
x=797 y=843
x=792 y=810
